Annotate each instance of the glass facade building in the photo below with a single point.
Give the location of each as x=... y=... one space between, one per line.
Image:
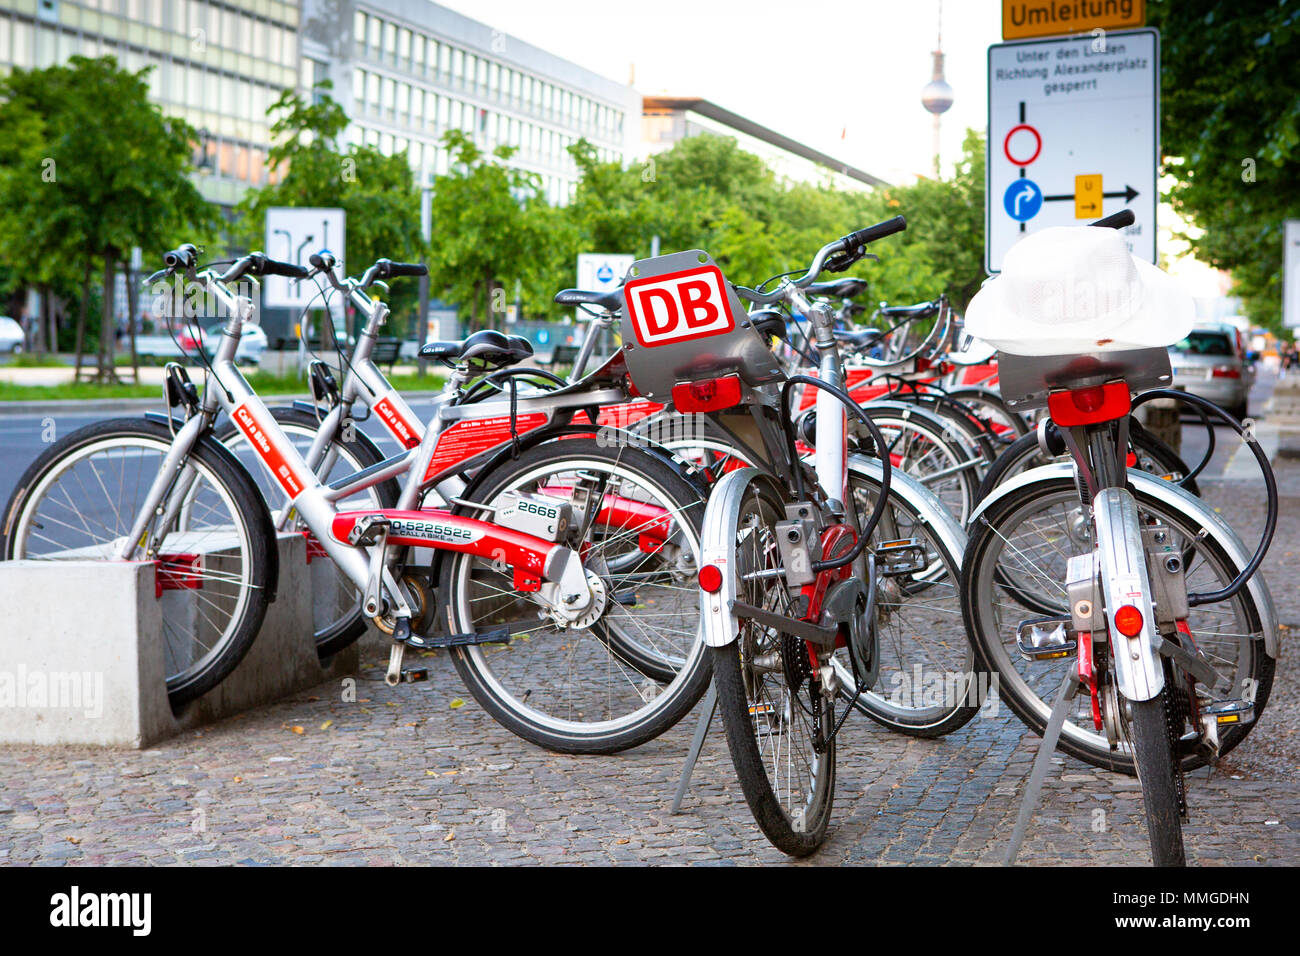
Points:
x=218 y=65
x=407 y=71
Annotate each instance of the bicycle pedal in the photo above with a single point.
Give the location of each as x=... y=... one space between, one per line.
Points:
x=900 y=557
x=1230 y=712
x=413 y=675
x=498 y=635
x=1045 y=639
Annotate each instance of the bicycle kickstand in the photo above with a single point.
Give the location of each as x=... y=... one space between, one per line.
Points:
x=1051 y=734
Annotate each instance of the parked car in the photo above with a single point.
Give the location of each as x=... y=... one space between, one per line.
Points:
x=252 y=343
x=11 y=335
x=1211 y=362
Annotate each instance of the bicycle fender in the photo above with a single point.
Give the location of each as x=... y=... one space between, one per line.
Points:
x=1168 y=493
x=718 y=547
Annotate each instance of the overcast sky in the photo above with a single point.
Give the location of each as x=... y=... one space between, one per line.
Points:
x=842 y=77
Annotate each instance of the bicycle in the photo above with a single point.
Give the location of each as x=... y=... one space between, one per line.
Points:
x=592 y=542
x=1147 y=613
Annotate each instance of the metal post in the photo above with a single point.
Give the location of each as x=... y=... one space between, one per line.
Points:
x=426 y=231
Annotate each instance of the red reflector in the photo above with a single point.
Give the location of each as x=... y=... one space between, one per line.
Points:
x=1088 y=406
x=1225 y=371
x=1128 y=621
x=1130 y=460
x=708 y=395
x=710 y=578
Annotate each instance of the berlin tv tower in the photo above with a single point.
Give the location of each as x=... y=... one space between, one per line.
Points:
x=936 y=96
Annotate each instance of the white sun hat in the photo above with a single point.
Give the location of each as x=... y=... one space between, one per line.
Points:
x=1068 y=290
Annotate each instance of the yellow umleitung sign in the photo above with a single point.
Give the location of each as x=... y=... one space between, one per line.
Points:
x=1044 y=18
x=1087 y=196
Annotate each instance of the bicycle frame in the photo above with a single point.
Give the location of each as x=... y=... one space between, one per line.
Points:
x=316 y=502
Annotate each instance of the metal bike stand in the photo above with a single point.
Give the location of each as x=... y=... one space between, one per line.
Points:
x=1051 y=735
x=697 y=744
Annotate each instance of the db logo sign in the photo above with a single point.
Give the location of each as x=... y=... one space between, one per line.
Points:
x=678 y=306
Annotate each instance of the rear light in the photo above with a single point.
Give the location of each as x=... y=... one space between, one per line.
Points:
x=1225 y=371
x=710 y=578
x=1088 y=406
x=707 y=395
x=1128 y=621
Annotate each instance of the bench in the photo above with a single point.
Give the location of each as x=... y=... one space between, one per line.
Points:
x=386 y=351
x=564 y=355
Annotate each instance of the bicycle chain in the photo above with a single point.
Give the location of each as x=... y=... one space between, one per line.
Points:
x=1175 y=713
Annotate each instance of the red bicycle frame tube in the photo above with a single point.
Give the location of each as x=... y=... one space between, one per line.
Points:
x=448 y=532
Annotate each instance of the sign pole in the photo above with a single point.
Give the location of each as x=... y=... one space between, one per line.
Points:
x=426 y=232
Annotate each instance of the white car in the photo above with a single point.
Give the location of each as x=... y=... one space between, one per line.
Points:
x=11 y=335
x=252 y=342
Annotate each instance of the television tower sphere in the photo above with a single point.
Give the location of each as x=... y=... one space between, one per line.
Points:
x=936 y=96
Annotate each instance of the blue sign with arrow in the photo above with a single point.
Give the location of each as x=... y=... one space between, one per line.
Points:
x=1022 y=200
x=604 y=273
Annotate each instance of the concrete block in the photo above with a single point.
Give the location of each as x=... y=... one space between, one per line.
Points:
x=81 y=653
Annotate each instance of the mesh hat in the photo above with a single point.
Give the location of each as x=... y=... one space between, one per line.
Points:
x=1071 y=289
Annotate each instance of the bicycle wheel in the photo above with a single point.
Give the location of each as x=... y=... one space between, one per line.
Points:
x=1158 y=772
x=215 y=557
x=988 y=406
x=922 y=444
x=336 y=602
x=578 y=689
x=773 y=707
x=928 y=684
x=1022 y=542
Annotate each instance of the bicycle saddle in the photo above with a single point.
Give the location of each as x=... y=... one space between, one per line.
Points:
x=858 y=338
x=839 y=288
x=486 y=350
x=611 y=301
x=919 y=311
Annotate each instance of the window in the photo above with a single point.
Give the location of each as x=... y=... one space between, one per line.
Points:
x=389 y=95
x=359 y=32
x=372 y=92
x=418 y=47
x=404 y=48
x=471 y=67
x=444 y=58
x=403 y=100
x=375 y=28
x=417 y=108
x=390 y=42
x=457 y=65
x=359 y=87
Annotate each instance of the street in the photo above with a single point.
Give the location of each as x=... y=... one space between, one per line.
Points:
x=421 y=774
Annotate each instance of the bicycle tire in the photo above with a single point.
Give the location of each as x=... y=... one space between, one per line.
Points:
x=1252 y=663
x=258 y=557
x=1157 y=772
x=532 y=714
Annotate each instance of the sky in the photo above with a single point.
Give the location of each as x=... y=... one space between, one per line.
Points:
x=843 y=77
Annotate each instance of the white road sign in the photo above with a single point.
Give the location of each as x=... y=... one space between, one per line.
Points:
x=293 y=234
x=601 y=272
x=1073 y=135
x=1291 y=276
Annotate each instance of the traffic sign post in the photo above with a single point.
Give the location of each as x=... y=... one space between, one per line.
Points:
x=292 y=234
x=1073 y=136
x=601 y=272
x=1291 y=276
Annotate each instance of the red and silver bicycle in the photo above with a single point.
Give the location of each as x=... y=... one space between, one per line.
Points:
x=563 y=570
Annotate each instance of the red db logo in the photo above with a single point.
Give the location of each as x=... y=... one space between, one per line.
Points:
x=678 y=306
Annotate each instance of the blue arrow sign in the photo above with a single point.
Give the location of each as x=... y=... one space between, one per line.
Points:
x=1022 y=200
x=604 y=273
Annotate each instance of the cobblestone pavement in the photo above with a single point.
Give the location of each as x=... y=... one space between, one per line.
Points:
x=411 y=775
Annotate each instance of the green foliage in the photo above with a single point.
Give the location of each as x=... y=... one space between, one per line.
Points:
x=707 y=193
x=89 y=168
x=491 y=229
x=377 y=192
x=1230 y=132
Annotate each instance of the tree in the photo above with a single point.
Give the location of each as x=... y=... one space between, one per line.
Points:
x=309 y=168
x=1230 y=133
x=82 y=182
x=489 y=227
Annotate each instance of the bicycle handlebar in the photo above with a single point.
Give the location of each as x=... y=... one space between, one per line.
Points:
x=388 y=269
x=846 y=249
x=1116 y=220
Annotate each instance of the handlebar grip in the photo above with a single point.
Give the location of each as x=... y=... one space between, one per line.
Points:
x=387 y=269
x=323 y=260
x=856 y=240
x=183 y=257
x=263 y=265
x=1117 y=220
